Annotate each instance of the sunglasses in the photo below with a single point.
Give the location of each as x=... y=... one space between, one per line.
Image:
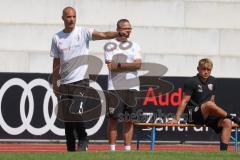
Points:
x=125 y=28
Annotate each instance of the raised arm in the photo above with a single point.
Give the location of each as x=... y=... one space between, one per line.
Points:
x=107 y=35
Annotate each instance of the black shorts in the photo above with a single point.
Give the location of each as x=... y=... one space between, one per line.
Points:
x=121 y=103
x=211 y=121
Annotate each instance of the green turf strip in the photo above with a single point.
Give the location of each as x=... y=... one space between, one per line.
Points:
x=138 y=155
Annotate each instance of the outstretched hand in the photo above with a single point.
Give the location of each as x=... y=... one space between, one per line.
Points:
x=123 y=33
x=173 y=121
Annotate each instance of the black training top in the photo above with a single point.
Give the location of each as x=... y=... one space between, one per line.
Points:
x=199 y=91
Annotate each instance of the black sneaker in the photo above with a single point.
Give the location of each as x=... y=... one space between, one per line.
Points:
x=236 y=120
x=83 y=145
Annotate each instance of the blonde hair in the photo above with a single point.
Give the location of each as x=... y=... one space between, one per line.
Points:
x=205 y=62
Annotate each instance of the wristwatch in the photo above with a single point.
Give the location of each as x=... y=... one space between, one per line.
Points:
x=119 y=65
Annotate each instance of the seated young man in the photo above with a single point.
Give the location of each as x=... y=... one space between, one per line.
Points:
x=199 y=95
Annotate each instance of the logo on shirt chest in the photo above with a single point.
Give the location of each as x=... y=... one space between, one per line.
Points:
x=210 y=87
x=111 y=46
x=65 y=47
x=200 y=88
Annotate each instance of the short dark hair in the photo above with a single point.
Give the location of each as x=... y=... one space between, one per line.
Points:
x=67 y=8
x=122 y=21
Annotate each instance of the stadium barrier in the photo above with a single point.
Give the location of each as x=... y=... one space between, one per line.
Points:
x=234 y=137
x=29 y=96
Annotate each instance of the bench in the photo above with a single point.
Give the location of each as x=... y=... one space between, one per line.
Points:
x=154 y=125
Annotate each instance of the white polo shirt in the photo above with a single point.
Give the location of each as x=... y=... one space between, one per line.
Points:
x=122 y=52
x=69 y=47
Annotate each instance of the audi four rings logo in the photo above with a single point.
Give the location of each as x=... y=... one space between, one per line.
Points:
x=27 y=117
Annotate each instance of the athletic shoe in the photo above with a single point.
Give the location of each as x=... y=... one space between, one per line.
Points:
x=83 y=145
x=236 y=120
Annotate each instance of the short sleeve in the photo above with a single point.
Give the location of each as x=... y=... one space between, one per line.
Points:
x=54 y=50
x=89 y=32
x=137 y=51
x=108 y=51
x=214 y=87
x=188 y=88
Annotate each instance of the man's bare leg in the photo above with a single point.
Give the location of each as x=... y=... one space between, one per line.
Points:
x=226 y=124
x=112 y=133
x=128 y=134
x=210 y=108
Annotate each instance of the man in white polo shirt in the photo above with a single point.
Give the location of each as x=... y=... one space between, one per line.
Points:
x=123 y=60
x=69 y=49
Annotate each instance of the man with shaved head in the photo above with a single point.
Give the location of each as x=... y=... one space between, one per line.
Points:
x=69 y=46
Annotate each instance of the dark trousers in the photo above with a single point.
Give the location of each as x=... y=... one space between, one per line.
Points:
x=71 y=97
x=73 y=129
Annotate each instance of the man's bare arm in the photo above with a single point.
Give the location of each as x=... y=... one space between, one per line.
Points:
x=107 y=35
x=56 y=75
x=122 y=67
x=182 y=107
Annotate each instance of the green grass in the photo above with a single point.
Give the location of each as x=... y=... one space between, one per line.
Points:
x=134 y=155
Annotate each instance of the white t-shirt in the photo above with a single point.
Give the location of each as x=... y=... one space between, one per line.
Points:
x=122 y=52
x=69 y=47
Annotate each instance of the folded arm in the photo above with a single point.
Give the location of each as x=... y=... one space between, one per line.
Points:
x=122 y=67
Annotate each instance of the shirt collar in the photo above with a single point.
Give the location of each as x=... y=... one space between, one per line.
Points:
x=203 y=82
